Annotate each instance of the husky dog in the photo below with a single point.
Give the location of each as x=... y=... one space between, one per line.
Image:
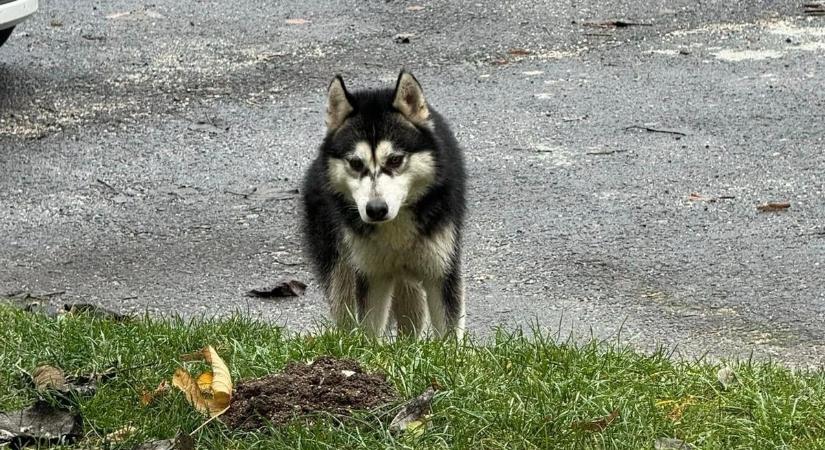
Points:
x=383 y=211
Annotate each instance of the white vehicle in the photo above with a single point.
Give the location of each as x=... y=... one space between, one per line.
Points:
x=13 y=12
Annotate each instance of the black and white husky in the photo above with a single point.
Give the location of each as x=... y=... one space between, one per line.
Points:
x=383 y=211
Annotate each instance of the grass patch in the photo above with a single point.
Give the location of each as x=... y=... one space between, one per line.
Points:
x=516 y=392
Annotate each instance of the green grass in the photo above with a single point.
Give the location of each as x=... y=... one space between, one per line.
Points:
x=517 y=392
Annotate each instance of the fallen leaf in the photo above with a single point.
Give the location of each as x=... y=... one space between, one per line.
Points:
x=41 y=424
x=415 y=8
x=403 y=38
x=147 y=397
x=773 y=206
x=726 y=377
x=216 y=401
x=204 y=381
x=296 y=21
x=49 y=378
x=121 y=434
x=671 y=444
x=519 y=52
x=596 y=425
x=291 y=288
x=412 y=416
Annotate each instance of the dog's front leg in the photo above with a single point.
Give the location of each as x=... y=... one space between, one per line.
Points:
x=374 y=298
x=445 y=300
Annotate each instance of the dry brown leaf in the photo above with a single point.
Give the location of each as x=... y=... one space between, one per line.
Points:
x=49 y=377
x=297 y=21
x=596 y=425
x=220 y=386
x=147 y=397
x=773 y=206
x=285 y=288
x=415 y=8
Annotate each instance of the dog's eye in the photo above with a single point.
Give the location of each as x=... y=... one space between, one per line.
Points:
x=356 y=164
x=394 y=161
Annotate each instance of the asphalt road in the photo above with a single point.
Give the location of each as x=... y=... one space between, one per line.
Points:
x=129 y=132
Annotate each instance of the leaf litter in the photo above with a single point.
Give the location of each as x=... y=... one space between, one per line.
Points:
x=286 y=288
x=41 y=424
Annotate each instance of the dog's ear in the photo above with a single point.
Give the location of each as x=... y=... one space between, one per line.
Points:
x=409 y=99
x=338 y=103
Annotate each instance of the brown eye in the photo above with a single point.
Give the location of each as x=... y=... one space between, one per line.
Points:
x=356 y=164
x=394 y=161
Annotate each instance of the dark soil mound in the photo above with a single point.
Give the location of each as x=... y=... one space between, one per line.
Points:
x=328 y=385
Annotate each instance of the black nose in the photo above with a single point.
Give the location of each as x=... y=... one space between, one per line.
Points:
x=377 y=209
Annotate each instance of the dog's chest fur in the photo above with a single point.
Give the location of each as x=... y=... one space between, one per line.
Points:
x=398 y=249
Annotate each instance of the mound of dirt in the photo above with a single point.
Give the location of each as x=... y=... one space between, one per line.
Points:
x=328 y=385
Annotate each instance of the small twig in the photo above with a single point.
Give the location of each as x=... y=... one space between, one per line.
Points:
x=241 y=194
x=106 y=185
x=616 y=24
x=654 y=130
x=574 y=119
x=210 y=419
x=52 y=294
x=606 y=152
x=534 y=150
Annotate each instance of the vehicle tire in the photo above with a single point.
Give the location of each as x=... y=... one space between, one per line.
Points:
x=4 y=35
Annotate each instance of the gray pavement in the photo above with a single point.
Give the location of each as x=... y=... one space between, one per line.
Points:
x=128 y=131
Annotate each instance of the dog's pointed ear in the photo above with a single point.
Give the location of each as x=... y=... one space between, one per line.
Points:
x=338 y=103
x=409 y=99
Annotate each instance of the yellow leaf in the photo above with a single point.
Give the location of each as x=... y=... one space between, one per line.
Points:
x=204 y=381
x=219 y=385
x=183 y=381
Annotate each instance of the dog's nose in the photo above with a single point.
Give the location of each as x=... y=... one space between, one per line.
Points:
x=377 y=209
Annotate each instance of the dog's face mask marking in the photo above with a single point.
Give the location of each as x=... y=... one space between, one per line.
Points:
x=382 y=180
x=381 y=161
